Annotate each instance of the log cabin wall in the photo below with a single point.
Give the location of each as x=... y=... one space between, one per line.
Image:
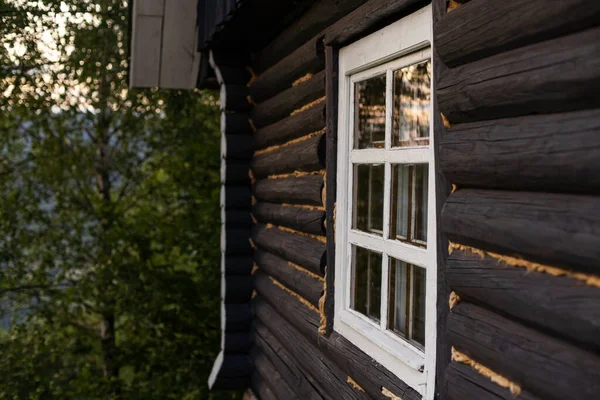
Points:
x=517 y=84
x=296 y=355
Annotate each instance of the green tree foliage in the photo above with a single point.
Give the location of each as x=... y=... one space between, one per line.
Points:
x=109 y=218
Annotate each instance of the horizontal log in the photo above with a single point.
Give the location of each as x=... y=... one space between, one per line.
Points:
x=236 y=197
x=558 y=75
x=238 y=342
x=302 y=250
x=235 y=173
x=235 y=366
x=238 y=318
x=292 y=127
x=308 y=58
x=237 y=123
x=238 y=289
x=238 y=219
x=297 y=281
x=237 y=147
x=485 y=27
x=547 y=367
x=234 y=98
x=369 y=17
x=555 y=229
x=267 y=372
x=321 y=15
x=553 y=152
x=301 y=219
x=463 y=382
x=369 y=375
x=231 y=383
x=330 y=378
x=283 y=104
x=238 y=265
x=565 y=306
x=236 y=242
x=303 y=385
x=292 y=190
x=304 y=156
x=261 y=388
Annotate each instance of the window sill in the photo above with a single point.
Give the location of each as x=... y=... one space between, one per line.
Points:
x=395 y=354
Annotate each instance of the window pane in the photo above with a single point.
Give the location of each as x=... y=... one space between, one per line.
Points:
x=368 y=198
x=401 y=196
x=408 y=219
x=412 y=94
x=406 y=307
x=366 y=282
x=369 y=113
x=421 y=198
x=418 y=308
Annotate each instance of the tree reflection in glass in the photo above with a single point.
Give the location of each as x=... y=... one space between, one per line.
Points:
x=369 y=113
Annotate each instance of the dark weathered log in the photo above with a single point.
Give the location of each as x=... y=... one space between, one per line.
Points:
x=235 y=173
x=237 y=147
x=237 y=242
x=321 y=15
x=238 y=342
x=292 y=127
x=236 y=366
x=369 y=17
x=483 y=28
x=368 y=374
x=303 y=385
x=547 y=367
x=556 y=229
x=555 y=152
x=236 y=197
x=566 y=306
x=237 y=123
x=442 y=191
x=463 y=382
x=308 y=58
x=330 y=378
x=304 y=251
x=238 y=289
x=297 y=281
x=559 y=75
x=293 y=190
x=305 y=156
x=234 y=98
x=283 y=104
x=262 y=388
x=234 y=75
x=231 y=383
x=238 y=265
x=332 y=78
x=238 y=219
x=238 y=318
x=269 y=373
x=301 y=219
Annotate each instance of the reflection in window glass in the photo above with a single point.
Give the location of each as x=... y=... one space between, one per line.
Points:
x=369 y=113
x=368 y=198
x=366 y=282
x=412 y=98
x=408 y=220
x=406 y=308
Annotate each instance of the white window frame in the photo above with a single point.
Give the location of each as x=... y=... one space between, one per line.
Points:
x=402 y=43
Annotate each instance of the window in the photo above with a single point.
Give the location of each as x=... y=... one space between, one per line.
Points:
x=385 y=223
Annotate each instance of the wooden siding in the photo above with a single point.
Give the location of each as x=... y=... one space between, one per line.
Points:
x=293 y=167
x=517 y=83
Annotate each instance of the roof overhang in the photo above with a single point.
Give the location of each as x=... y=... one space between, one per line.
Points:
x=164 y=44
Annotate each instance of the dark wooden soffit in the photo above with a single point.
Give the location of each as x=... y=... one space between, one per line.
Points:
x=244 y=24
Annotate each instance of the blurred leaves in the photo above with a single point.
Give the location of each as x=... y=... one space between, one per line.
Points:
x=110 y=207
